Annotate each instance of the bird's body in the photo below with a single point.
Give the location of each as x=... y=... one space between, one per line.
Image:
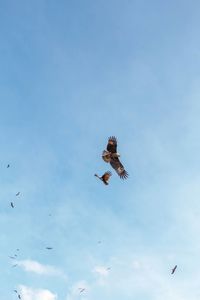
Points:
x=49 y=248
x=105 y=177
x=111 y=156
x=12 y=204
x=8 y=166
x=17 y=194
x=81 y=290
x=174 y=269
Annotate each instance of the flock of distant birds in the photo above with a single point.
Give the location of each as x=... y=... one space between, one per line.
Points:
x=110 y=155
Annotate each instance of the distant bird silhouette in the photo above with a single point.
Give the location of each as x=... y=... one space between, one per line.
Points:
x=105 y=177
x=17 y=294
x=12 y=204
x=8 y=166
x=81 y=290
x=174 y=269
x=13 y=266
x=12 y=257
x=17 y=194
x=49 y=248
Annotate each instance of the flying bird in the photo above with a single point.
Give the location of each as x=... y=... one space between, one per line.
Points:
x=17 y=294
x=8 y=166
x=12 y=204
x=49 y=248
x=17 y=194
x=111 y=156
x=174 y=269
x=12 y=257
x=81 y=290
x=105 y=177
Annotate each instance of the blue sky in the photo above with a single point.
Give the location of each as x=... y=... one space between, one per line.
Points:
x=72 y=74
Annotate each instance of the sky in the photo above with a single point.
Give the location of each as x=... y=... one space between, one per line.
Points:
x=73 y=73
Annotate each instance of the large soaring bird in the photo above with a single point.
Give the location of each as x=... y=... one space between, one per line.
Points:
x=105 y=177
x=111 y=156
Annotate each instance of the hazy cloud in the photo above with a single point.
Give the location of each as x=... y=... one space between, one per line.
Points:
x=28 y=293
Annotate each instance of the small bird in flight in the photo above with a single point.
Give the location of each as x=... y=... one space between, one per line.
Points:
x=17 y=194
x=49 y=248
x=174 y=269
x=12 y=204
x=105 y=177
x=12 y=257
x=81 y=290
x=8 y=166
x=17 y=294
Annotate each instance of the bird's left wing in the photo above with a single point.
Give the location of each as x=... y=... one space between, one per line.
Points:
x=119 y=168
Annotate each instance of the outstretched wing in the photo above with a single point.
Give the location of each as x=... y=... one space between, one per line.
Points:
x=112 y=144
x=119 y=168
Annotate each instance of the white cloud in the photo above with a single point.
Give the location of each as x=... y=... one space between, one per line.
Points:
x=102 y=273
x=101 y=270
x=28 y=293
x=36 y=267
